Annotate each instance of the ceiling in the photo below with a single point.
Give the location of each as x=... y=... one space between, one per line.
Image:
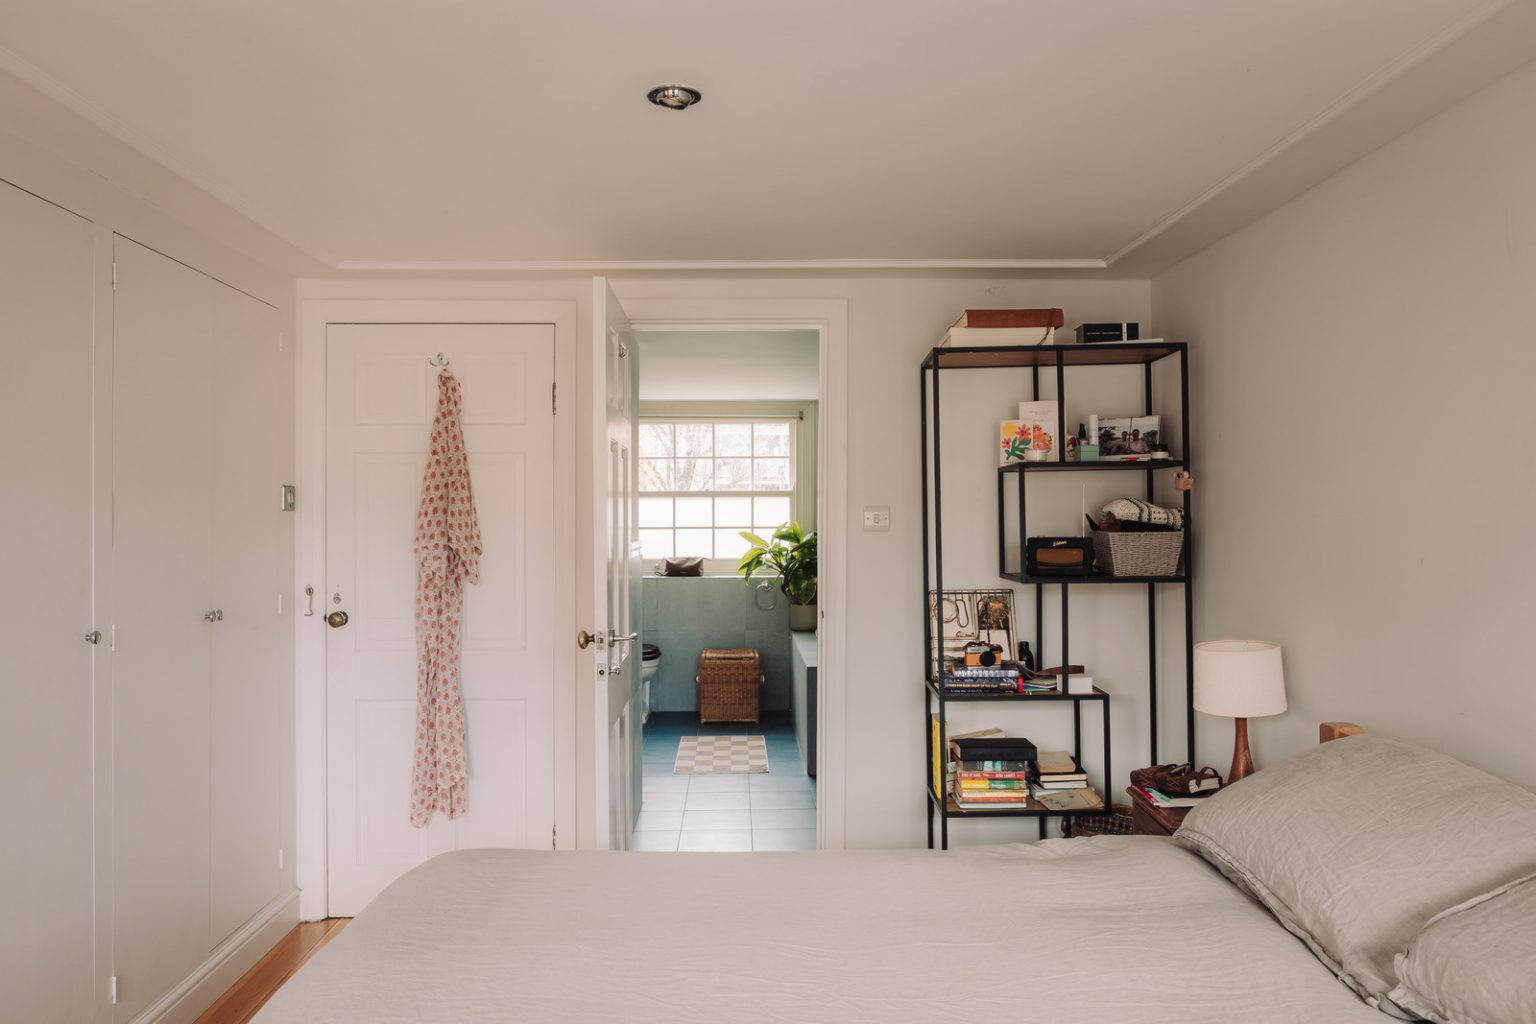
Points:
x=514 y=134
x=703 y=366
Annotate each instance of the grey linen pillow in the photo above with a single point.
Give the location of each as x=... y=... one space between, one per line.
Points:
x=1475 y=963
x=1353 y=845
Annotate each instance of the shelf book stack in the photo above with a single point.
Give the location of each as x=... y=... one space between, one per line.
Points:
x=1060 y=783
x=989 y=327
x=992 y=772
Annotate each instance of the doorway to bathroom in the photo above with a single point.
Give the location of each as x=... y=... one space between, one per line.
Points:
x=726 y=455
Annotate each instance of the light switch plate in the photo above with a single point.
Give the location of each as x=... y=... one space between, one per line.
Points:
x=288 y=502
x=877 y=517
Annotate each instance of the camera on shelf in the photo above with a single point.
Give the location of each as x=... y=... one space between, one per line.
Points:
x=983 y=655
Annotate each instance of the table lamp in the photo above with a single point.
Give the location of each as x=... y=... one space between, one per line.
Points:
x=1239 y=679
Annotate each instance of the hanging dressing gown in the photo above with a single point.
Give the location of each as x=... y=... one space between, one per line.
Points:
x=447 y=557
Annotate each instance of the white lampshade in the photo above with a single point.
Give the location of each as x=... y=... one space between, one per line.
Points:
x=1239 y=678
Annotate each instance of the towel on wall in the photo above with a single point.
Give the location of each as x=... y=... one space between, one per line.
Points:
x=447 y=557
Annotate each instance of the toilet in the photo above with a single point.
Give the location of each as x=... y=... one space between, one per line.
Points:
x=650 y=662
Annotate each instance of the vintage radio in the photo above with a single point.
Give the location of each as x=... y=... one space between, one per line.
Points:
x=1058 y=556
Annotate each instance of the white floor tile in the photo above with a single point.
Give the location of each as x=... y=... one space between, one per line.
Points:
x=717 y=783
x=783 y=839
x=654 y=819
x=772 y=781
x=718 y=801
x=719 y=819
x=780 y=799
x=657 y=842
x=668 y=783
x=798 y=818
x=668 y=801
x=716 y=840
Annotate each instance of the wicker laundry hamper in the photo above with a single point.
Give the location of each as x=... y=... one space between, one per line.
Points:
x=730 y=681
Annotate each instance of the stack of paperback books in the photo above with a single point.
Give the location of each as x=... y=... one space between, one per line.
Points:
x=1007 y=677
x=993 y=772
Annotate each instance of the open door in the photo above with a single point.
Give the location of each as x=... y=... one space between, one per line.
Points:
x=616 y=633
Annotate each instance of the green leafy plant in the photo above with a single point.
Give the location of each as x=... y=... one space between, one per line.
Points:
x=791 y=555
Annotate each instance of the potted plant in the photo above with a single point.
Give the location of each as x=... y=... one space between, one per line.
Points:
x=791 y=555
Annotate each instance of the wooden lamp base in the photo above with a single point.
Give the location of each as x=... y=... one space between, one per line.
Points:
x=1242 y=758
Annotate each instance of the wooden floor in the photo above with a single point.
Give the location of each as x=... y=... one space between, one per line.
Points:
x=247 y=995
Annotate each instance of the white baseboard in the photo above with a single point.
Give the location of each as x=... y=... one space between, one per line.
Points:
x=224 y=966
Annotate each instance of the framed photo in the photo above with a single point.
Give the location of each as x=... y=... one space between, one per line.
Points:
x=1123 y=437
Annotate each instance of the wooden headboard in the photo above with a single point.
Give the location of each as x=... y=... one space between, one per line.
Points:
x=1337 y=731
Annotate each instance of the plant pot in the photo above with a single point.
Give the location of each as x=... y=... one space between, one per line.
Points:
x=802 y=617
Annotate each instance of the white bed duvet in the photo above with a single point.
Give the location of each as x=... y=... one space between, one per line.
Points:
x=1130 y=930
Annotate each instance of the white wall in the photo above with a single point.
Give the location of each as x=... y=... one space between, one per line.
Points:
x=736 y=366
x=892 y=321
x=1361 y=398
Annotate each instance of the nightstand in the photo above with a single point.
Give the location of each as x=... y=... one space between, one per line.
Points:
x=1148 y=819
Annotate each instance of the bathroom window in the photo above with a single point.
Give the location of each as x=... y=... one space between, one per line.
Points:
x=703 y=481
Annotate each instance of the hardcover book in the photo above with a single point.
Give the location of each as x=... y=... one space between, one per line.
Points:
x=1012 y=318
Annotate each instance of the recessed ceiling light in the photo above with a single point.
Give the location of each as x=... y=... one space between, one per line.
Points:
x=674 y=97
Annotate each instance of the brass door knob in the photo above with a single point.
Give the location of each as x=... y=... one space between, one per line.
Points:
x=336 y=619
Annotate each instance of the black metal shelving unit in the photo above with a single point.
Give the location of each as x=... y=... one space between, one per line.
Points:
x=1036 y=358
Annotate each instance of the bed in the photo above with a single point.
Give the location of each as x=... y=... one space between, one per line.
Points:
x=1129 y=930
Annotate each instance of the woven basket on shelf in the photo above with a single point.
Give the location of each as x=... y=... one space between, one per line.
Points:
x=1138 y=554
x=729 y=683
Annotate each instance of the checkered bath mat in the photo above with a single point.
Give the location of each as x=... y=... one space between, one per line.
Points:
x=721 y=755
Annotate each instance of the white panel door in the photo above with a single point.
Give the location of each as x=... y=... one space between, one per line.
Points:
x=617 y=582
x=162 y=490
x=381 y=396
x=252 y=646
x=45 y=609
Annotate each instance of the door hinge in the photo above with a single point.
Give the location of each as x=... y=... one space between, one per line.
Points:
x=553 y=832
x=114 y=275
x=281 y=337
x=552 y=388
x=279 y=858
x=112 y=990
x=112 y=637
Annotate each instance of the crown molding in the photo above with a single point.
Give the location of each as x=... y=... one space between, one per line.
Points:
x=598 y=265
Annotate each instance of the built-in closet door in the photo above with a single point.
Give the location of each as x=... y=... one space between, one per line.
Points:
x=162 y=543
x=202 y=562
x=252 y=573
x=46 y=896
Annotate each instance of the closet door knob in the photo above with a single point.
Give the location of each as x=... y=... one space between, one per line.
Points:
x=336 y=619
x=217 y=615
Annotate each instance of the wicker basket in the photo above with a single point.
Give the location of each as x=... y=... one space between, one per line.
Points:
x=1138 y=554
x=729 y=684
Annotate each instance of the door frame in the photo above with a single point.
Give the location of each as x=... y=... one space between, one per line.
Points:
x=829 y=318
x=310 y=774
